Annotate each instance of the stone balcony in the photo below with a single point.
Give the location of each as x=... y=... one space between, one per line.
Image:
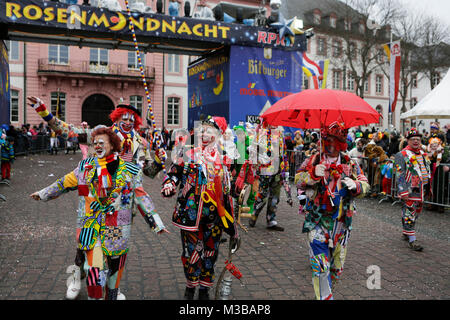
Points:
x=87 y=69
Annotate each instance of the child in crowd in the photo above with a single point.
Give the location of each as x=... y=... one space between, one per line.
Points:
x=386 y=173
x=7 y=156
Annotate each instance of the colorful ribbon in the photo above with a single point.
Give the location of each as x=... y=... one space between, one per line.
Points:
x=144 y=81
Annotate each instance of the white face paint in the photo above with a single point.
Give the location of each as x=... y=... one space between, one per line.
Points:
x=102 y=146
x=126 y=124
x=208 y=135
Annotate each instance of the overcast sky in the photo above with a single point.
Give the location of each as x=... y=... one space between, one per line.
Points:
x=437 y=8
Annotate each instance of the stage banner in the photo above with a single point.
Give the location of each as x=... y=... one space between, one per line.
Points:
x=83 y=20
x=258 y=78
x=208 y=88
x=5 y=97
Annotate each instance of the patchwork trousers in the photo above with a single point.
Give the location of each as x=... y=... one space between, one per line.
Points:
x=410 y=213
x=327 y=252
x=103 y=274
x=200 y=252
x=269 y=192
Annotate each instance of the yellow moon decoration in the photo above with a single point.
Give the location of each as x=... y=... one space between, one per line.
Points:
x=217 y=90
x=121 y=24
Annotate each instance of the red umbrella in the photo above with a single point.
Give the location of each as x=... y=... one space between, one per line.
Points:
x=317 y=108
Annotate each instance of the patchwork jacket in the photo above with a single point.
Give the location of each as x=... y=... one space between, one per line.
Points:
x=325 y=204
x=410 y=178
x=108 y=220
x=191 y=175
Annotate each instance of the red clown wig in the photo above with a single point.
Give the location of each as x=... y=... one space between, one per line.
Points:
x=114 y=140
x=121 y=109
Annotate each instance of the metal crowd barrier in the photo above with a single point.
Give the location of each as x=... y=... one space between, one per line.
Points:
x=24 y=145
x=295 y=159
x=437 y=194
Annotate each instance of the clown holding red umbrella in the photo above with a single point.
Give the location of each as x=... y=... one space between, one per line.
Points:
x=329 y=181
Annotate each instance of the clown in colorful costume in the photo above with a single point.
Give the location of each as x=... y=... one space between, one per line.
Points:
x=108 y=188
x=268 y=153
x=126 y=121
x=204 y=207
x=329 y=181
x=242 y=171
x=413 y=177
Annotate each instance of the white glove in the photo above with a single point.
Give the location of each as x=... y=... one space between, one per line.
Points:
x=34 y=101
x=168 y=189
x=349 y=183
x=319 y=171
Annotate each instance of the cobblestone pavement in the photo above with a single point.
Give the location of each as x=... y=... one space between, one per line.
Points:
x=37 y=243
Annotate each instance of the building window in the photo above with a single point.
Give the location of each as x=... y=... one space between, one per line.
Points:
x=366 y=85
x=14 y=111
x=413 y=102
x=379 y=84
x=173 y=61
x=58 y=104
x=336 y=79
x=98 y=56
x=173 y=111
x=58 y=54
x=321 y=46
x=133 y=62
x=316 y=17
x=13 y=50
x=380 y=55
x=305 y=83
x=337 y=48
x=379 y=109
x=350 y=82
x=362 y=28
x=435 y=79
x=333 y=21
x=414 y=80
x=347 y=25
x=137 y=102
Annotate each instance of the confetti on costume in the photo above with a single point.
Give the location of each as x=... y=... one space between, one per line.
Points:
x=327 y=184
x=204 y=208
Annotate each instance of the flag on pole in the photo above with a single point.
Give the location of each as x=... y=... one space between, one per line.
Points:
x=324 y=65
x=394 y=55
x=312 y=69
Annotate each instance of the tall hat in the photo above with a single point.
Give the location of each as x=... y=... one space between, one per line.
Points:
x=413 y=133
x=130 y=107
x=336 y=129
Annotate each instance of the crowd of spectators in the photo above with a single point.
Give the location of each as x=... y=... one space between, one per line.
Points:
x=375 y=150
x=37 y=138
x=372 y=148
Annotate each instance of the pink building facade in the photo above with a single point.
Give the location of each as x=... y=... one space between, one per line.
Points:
x=87 y=85
x=90 y=82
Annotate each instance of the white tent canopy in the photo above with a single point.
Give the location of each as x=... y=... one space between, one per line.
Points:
x=435 y=105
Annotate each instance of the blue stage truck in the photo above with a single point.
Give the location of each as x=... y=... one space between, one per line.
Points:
x=241 y=83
